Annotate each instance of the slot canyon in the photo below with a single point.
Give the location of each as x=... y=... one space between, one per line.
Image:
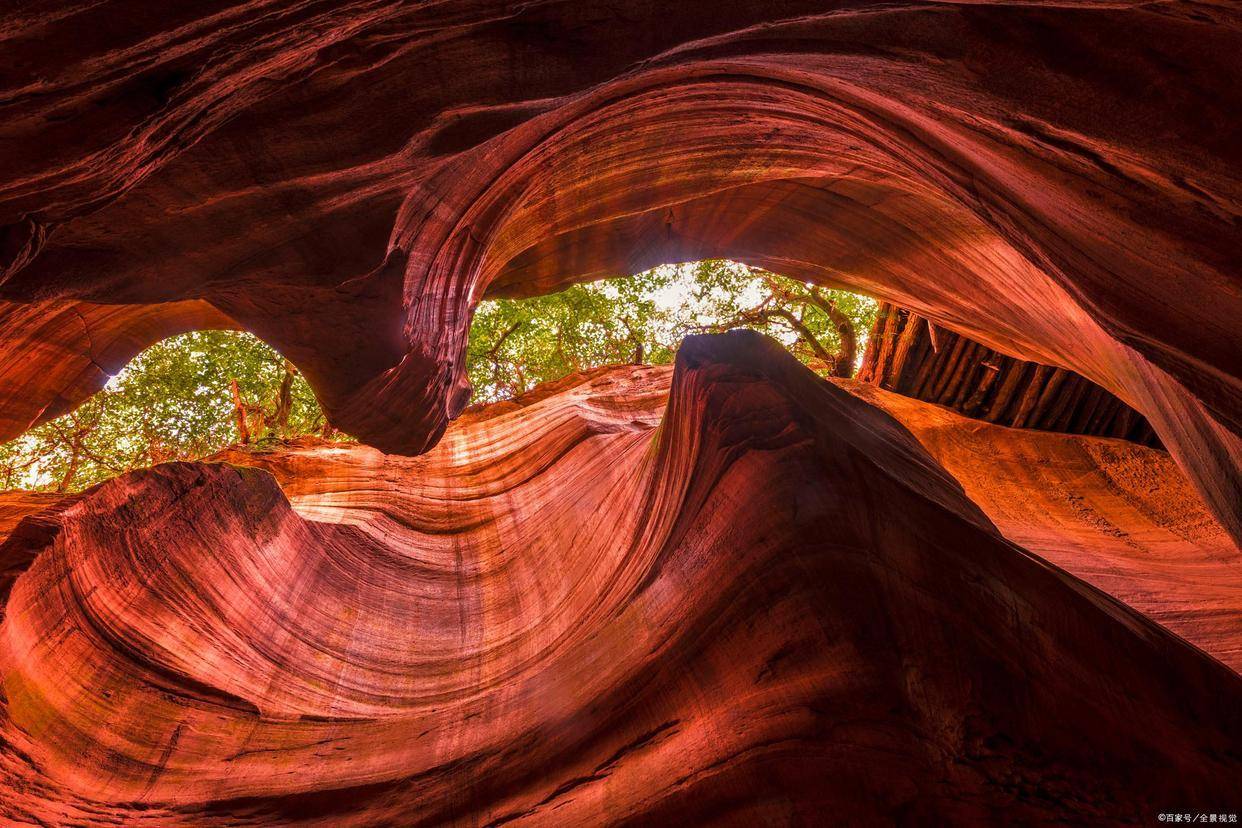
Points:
x=995 y=579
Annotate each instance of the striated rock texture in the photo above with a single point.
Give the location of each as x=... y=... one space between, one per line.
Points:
x=348 y=179
x=910 y=355
x=1111 y=513
x=737 y=595
x=770 y=605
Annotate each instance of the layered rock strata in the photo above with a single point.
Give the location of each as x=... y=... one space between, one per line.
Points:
x=769 y=604
x=349 y=179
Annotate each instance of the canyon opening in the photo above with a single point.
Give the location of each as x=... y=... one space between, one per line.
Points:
x=762 y=413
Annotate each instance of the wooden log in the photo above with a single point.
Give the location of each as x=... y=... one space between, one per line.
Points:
x=1039 y=416
x=912 y=356
x=911 y=328
x=1086 y=411
x=991 y=371
x=1123 y=422
x=867 y=367
x=882 y=344
x=1066 y=402
x=1014 y=372
x=1031 y=396
x=1102 y=421
x=941 y=381
x=963 y=372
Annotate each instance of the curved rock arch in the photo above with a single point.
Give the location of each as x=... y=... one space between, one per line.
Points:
x=723 y=591
x=1009 y=171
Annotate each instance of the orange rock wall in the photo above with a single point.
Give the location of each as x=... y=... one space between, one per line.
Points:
x=762 y=600
x=348 y=180
x=771 y=603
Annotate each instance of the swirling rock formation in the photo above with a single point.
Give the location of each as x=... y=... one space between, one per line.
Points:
x=774 y=606
x=348 y=179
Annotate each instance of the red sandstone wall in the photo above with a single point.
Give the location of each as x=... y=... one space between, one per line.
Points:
x=774 y=605
x=348 y=180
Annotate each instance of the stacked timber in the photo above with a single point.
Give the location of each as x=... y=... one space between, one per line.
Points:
x=910 y=355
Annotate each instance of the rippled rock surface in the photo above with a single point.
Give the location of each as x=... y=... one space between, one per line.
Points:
x=737 y=593
x=1059 y=181
x=732 y=594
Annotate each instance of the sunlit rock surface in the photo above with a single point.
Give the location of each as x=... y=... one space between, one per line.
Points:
x=762 y=603
x=1112 y=513
x=347 y=180
x=767 y=603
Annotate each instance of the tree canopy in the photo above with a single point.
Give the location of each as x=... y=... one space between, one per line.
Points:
x=516 y=344
x=196 y=393
x=173 y=401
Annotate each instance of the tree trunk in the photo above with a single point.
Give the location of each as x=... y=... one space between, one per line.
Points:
x=847 y=334
x=239 y=412
x=75 y=458
x=807 y=336
x=284 y=399
x=635 y=340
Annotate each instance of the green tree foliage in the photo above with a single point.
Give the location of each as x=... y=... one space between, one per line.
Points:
x=517 y=344
x=194 y=394
x=824 y=328
x=173 y=401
